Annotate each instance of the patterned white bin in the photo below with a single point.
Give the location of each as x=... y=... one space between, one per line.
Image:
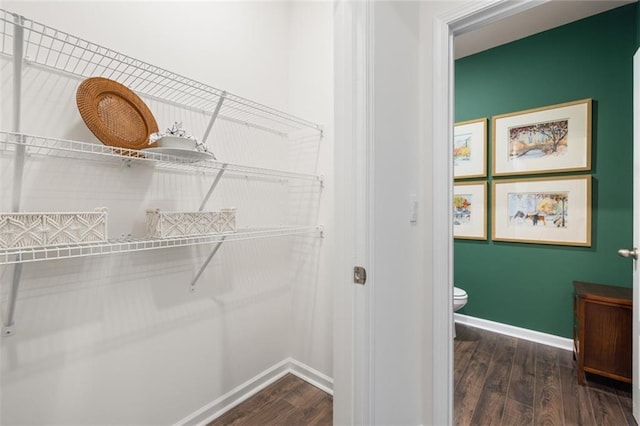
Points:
x=27 y=230
x=183 y=224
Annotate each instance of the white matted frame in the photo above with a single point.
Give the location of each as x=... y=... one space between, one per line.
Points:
x=551 y=210
x=549 y=139
x=470 y=149
x=470 y=210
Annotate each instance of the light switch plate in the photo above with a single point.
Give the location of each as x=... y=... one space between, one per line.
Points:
x=413 y=208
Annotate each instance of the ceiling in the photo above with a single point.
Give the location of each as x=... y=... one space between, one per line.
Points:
x=541 y=18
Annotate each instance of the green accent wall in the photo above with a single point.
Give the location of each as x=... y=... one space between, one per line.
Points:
x=638 y=27
x=530 y=285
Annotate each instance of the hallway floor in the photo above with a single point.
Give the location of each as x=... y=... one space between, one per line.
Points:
x=288 y=401
x=502 y=380
x=499 y=380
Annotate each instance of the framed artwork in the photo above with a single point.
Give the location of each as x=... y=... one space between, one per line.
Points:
x=470 y=210
x=543 y=210
x=470 y=149
x=552 y=139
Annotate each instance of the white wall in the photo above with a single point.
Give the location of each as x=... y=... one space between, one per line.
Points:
x=408 y=367
x=398 y=290
x=311 y=95
x=401 y=382
x=119 y=339
x=236 y=46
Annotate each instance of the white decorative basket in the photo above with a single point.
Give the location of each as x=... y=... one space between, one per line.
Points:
x=25 y=230
x=182 y=224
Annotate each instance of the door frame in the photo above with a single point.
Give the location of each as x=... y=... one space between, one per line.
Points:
x=458 y=20
x=354 y=130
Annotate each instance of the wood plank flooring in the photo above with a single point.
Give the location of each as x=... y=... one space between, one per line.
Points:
x=498 y=380
x=289 y=401
x=502 y=380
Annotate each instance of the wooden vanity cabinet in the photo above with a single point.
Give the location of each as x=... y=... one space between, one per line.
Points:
x=602 y=330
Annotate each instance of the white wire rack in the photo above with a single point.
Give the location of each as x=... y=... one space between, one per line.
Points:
x=23 y=255
x=64 y=52
x=39 y=145
x=30 y=43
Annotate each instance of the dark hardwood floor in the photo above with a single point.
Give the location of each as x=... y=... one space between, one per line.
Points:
x=289 y=401
x=498 y=380
x=502 y=380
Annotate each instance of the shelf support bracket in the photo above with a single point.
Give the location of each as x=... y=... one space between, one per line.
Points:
x=18 y=168
x=213 y=187
x=210 y=192
x=8 y=327
x=205 y=264
x=213 y=120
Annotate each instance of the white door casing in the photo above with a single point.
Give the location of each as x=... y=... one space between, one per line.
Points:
x=353 y=377
x=458 y=20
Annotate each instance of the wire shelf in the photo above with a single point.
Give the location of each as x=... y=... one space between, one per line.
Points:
x=40 y=145
x=64 y=52
x=126 y=245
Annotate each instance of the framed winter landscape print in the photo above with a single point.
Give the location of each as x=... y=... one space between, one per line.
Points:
x=470 y=149
x=543 y=210
x=543 y=140
x=470 y=210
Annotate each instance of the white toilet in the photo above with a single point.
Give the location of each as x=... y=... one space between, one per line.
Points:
x=459 y=300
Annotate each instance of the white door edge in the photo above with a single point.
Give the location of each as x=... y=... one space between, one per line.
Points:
x=353 y=327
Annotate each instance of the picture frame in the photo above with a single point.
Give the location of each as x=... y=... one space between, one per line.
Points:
x=550 y=139
x=470 y=149
x=551 y=210
x=470 y=210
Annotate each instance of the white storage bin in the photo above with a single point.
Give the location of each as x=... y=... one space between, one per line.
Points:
x=162 y=224
x=26 y=230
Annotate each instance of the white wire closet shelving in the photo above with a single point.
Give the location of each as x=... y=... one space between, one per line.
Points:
x=29 y=43
x=51 y=48
x=40 y=145
x=131 y=244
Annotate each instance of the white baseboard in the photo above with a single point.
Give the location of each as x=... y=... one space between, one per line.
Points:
x=254 y=385
x=311 y=376
x=521 y=333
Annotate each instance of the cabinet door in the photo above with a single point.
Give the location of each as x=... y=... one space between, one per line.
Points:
x=607 y=339
x=576 y=326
